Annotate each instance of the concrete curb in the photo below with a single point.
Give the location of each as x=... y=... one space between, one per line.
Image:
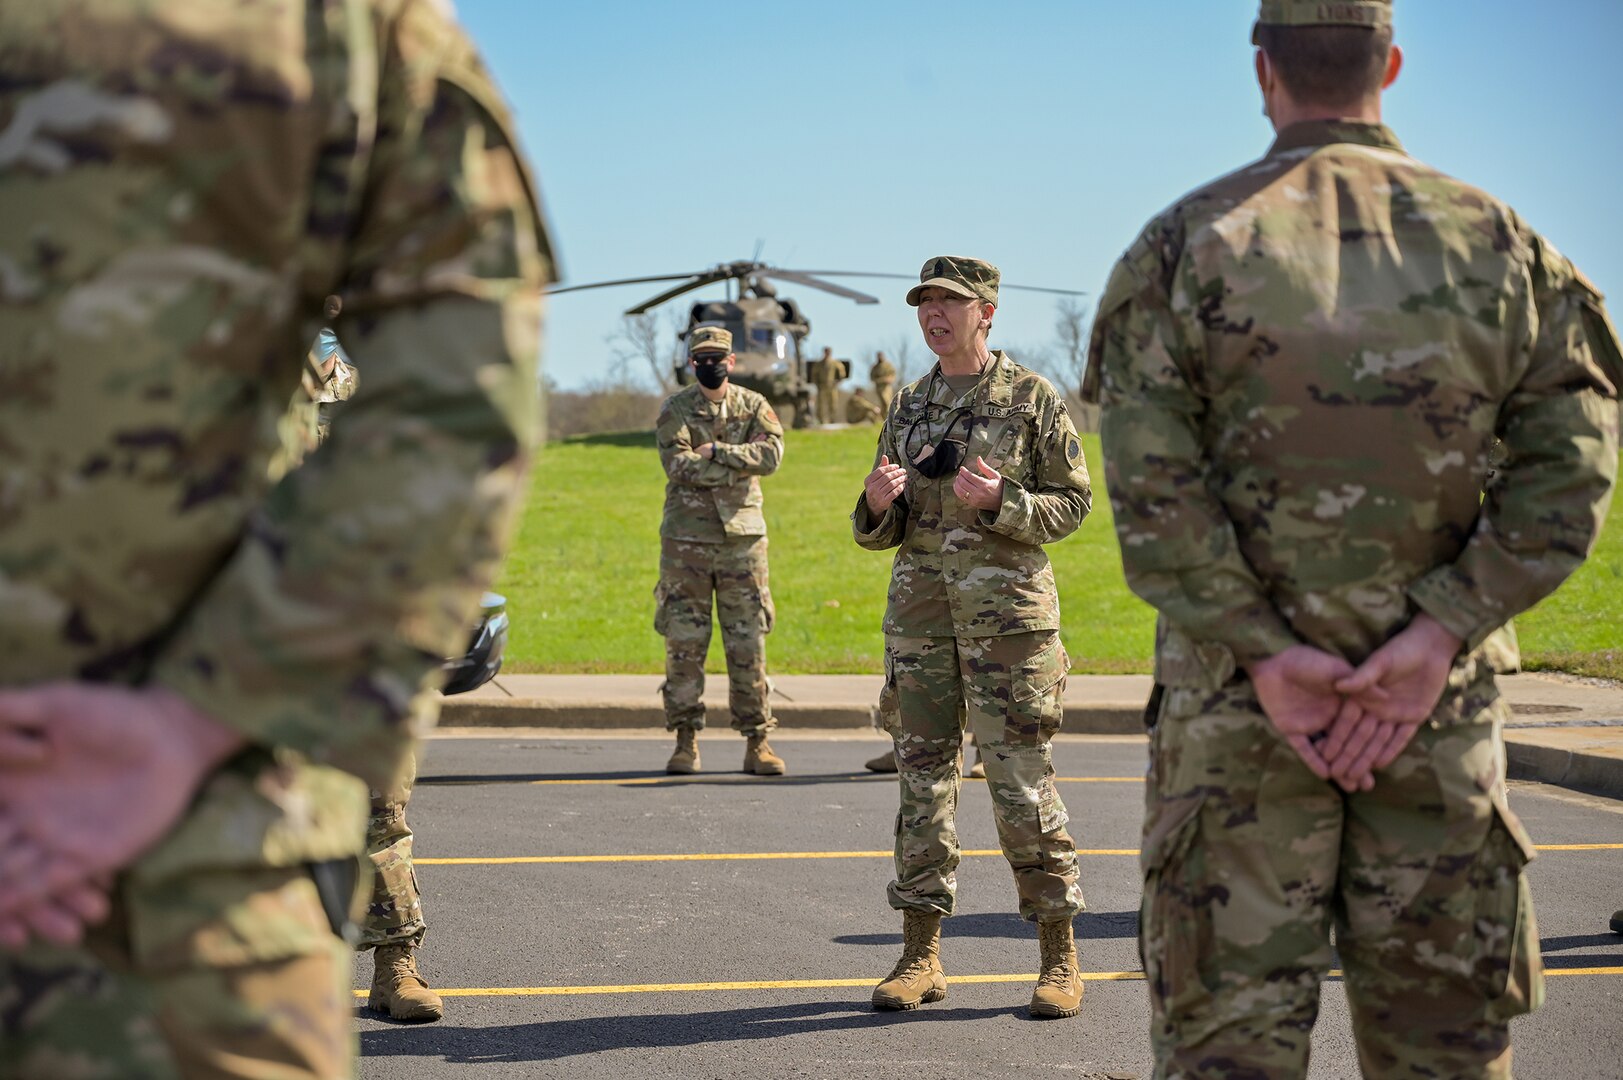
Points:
x=489 y=712
x=1595 y=774
x=1574 y=756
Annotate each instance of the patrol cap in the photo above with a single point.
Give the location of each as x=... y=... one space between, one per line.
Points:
x=1373 y=14
x=973 y=279
x=710 y=339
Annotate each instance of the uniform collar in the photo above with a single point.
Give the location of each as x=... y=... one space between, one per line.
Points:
x=996 y=385
x=1311 y=133
x=705 y=405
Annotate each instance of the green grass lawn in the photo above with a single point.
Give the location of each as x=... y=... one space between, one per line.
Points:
x=580 y=580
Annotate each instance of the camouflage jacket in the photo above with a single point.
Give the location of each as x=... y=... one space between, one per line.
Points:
x=712 y=499
x=183 y=185
x=1303 y=368
x=964 y=572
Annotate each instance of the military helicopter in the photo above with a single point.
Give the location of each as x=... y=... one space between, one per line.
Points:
x=767 y=329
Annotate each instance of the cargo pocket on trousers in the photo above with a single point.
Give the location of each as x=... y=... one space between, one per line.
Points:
x=1175 y=925
x=1036 y=695
x=662 y=619
x=889 y=713
x=1507 y=968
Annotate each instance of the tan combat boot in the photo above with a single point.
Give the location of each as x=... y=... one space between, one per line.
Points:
x=685 y=759
x=760 y=760
x=917 y=977
x=885 y=762
x=1059 y=986
x=399 y=989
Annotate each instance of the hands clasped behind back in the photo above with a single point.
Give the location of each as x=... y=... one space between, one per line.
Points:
x=90 y=778
x=1346 y=724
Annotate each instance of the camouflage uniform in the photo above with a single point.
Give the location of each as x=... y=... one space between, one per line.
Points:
x=254 y=158
x=883 y=374
x=826 y=378
x=859 y=410
x=973 y=621
x=1303 y=368
x=713 y=542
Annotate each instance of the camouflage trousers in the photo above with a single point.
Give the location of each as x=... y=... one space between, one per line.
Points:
x=734 y=573
x=394 y=911
x=884 y=391
x=1250 y=861
x=1010 y=688
x=88 y=1014
x=828 y=402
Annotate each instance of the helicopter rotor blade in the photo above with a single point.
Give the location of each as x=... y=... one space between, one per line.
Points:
x=800 y=277
x=624 y=281
x=698 y=282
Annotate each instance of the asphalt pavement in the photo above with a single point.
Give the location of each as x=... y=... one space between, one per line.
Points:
x=591 y=917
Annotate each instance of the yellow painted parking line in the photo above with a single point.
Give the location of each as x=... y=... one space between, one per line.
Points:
x=822 y=984
x=719 y=856
x=740 y=856
x=768 y=984
x=742 y=778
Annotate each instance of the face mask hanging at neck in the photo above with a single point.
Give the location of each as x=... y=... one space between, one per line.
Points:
x=946 y=454
x=938 y=460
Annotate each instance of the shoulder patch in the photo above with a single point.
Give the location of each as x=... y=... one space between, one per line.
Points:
x=771 y=414
x=1073 y=451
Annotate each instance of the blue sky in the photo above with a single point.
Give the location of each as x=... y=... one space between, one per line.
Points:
x=1038 y=134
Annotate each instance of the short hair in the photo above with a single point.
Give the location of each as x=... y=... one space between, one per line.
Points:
x=1327 y=65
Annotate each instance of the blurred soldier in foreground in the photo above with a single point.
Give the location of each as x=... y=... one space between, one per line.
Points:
x=883 y=374
x=201 y=673
x=826 y=377
x=859 y=410
x=716 y=441
x=393 y=925
x=978 y=466
x=1303 y=368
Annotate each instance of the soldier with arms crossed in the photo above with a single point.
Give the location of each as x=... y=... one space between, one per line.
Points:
x=201 y=673
x=1303 y=367
x=716 y=440
x=978 y=466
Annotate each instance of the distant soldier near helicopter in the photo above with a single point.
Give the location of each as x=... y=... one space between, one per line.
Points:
x=883 y=374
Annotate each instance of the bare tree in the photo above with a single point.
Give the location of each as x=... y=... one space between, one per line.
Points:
x=903 y=351
x=1072 y=327
x=650 y=340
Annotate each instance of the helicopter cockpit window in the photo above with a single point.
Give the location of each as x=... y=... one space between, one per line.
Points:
x=768 y=339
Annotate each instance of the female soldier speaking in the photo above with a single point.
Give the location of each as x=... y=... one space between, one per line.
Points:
x=978 y=466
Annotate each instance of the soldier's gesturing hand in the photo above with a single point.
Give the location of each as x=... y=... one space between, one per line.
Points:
x=982 y=489
x=884 y=485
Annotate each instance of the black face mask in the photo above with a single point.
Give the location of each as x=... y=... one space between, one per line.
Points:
x=711 y=375
x=947 y=453
x=945 y=458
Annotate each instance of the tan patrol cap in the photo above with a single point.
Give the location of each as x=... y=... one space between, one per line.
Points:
x=1373 y=14
x=710 y=339
x=970 y=278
